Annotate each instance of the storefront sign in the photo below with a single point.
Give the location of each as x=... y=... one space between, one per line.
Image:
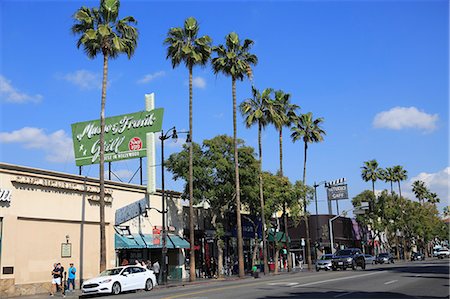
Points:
x=5 y=195
x=125 y=137
x=55 y=184
x=337 y=192
x=131 y=211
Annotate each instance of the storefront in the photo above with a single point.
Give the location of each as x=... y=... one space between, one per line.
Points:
x=51 y=217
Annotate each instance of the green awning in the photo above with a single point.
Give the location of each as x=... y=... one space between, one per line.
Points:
x=136 y=241
x=280 y=237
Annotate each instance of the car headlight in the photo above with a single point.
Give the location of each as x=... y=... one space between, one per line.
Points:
x=349 y=259
x=105 y=281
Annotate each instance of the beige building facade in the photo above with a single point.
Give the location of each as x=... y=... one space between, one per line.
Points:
x=48 y=217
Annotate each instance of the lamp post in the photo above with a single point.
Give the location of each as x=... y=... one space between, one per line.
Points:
x=171 y=133
x=317 y=214
x=357 y=210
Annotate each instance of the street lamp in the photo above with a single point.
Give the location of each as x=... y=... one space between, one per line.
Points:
x=317 y=214
x=171 y=133
x=356 y=210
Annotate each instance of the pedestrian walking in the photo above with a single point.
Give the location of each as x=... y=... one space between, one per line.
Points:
x=156 y=269
x=71 y=278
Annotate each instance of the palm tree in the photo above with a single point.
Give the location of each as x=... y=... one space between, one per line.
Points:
x=400 y=174
x=371 y=172
x=285 y=117
x=103 y=33
x=258 y=110
x=433 y=198
x=420 y=190
x=309 y=130
x=234 y=60
x=389 y=177
x=184 y=46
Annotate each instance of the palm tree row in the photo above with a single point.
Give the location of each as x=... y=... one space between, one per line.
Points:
x=262 y=110
x=372 y=172
x=102 y=32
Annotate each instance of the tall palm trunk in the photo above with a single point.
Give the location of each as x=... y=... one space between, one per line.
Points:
x=191 y=188
x=238 y=189
x=102 y=167
x=261 y=198
x=399 y=189
x=308 y=243
x=286 y=231
x=373 y=187
x=392 y=188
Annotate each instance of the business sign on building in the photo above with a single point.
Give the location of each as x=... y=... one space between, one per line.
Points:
x=337 y=192
x=125 y=136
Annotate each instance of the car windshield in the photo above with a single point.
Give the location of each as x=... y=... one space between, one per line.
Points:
x=326 y=257
x=110 y=272
x=367 y=255
x=384 y=255
x=344 y=252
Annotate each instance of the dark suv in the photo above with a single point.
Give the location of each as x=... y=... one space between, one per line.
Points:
x=348 y=258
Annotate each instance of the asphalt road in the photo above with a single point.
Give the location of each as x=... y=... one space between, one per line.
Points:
x=427 y=279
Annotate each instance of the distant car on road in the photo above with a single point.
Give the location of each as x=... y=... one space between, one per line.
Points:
x=324 y=262
x=370 y=259
x=348 y=258
x=384 y=258
x=120 y=279
x=417 y=256
x=443 y=253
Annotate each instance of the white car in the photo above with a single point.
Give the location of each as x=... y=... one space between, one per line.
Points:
x=442 y=253
x=120 y=279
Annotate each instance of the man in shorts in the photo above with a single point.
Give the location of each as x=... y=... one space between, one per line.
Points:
x=56 y=278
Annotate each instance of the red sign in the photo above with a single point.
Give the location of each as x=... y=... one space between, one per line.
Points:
x=156 y=236
x=135 y=144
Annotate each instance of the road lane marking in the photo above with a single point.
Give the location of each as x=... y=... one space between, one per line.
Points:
x=335 y=279
x=184 y=295
x=283 y=283
x=389 y=282
x=340 y=295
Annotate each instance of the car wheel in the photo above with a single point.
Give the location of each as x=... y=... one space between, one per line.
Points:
x=116 y=288
x=363 y=266
x=333 y=268
x=317 y=269
x=354 y=266
x=149 y=285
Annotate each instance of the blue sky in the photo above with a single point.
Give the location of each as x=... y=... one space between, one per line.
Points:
x=376 y=71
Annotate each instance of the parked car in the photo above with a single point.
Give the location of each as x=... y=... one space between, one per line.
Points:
x=384 y=258
x=348 y=258
x=417 y=256
x=443 y=253
x=120 y=279
x=324 y=262
x=370 y=259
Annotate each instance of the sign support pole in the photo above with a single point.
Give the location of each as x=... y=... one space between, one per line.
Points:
x=151 y=158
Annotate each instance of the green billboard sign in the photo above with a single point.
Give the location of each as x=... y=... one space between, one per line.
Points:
x=125 y=136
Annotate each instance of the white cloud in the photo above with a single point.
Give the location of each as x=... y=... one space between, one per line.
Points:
x=84 y=79
x=199 y=82
x=10 y=94
x=405 y=117
x=150 y=77
x=57 y=146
